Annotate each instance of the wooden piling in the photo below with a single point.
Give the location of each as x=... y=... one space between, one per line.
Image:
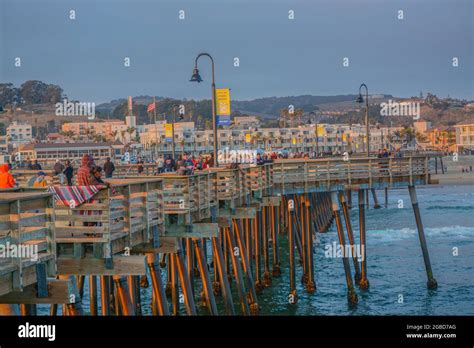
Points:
x=351 y=294
x=350 y=236
x=376 y=201
x=93 y=295
x=123 y=295
x=104 y=295
x=432 y=284
x=206 y=280
x=276 y=270
x=293 y=296
x=310 y=283
x=364 y=282
x=224 y=280
x=159 y=297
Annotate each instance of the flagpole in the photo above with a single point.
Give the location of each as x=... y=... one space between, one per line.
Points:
x=156 y=129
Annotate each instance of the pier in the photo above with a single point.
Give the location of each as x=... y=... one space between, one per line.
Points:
x=209 y=242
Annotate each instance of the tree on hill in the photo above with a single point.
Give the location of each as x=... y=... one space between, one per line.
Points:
x=9 y=94
x=38 y=92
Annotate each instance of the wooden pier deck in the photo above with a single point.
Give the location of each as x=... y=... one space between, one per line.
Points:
x=241 y=212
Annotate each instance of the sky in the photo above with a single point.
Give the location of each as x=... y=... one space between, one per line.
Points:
x=277 y=56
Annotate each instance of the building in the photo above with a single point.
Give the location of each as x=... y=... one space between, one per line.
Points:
x=48 y=154
x=82 y=130
x=464 y=137
x=246 y=122
x=442 y=138
x=421 y=126
x=331 y=138
x=3 y=144
x=19 y=133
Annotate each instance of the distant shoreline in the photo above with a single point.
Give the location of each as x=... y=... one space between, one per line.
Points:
x=454 y=178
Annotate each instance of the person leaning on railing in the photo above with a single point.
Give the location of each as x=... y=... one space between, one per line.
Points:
x=6 y=179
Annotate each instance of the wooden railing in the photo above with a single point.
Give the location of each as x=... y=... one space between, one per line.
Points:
x=328 y=174
x=27 y=232
x=191 y=195
x=26 y=177
x=117 y=217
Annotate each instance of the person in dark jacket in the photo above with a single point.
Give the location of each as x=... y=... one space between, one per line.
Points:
x=68 y=172
x=36 y=166
x=109 y=168
x=58 y=167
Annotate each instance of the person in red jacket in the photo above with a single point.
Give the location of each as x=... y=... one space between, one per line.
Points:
x=6 y=179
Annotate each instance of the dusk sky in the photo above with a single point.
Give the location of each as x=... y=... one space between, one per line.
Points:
x=278 y=56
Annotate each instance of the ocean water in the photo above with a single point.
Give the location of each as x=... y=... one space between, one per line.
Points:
x=395 y=265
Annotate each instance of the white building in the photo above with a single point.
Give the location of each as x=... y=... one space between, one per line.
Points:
x=465 y=136
x=19 y=133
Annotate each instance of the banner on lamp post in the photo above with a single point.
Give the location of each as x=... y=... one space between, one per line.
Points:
x=248 y=139
x=223 y=106
x=168 y=132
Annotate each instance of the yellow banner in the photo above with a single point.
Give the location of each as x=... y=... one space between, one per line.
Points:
x=223 y=101
x=321 y=130
x=294 y=141
x=344 y=137
x=169 y=131
x=248 y=138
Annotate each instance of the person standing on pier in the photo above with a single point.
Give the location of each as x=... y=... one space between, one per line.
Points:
x=36 y=165
x=109 y=168
x=84 y=173
x=68 y=172
x=6 y=179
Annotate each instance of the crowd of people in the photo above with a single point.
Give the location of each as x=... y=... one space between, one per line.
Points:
x=185 y=164
x=90 y=173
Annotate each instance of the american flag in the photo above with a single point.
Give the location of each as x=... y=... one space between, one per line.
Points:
x=150 y=107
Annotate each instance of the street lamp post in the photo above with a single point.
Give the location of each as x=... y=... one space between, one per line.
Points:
x=316 y=133
x=173 y=111
x=197 y=78
x=360 y=99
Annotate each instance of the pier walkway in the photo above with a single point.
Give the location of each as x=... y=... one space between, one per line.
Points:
x=195 y=236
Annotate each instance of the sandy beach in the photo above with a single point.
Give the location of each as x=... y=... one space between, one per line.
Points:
x=454 y=178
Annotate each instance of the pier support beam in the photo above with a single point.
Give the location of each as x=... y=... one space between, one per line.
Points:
x=350 y=236
x=376 y=201
x=206 y=280
x=9 y=309
x=351 y=294
x=364 y=282
x=276 y=270
x=252 y=293
x=105 y=295
x=234 y=251
x=267 y=279
x=310 y=283
x=185 y=284
x=159 y=297
x=123 y=295
x=224 y=280
x=93 y=294
x=432 y=284
x=293 y=296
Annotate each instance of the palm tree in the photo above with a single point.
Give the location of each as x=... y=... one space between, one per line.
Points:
x=182 y=143
x=408 y=134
